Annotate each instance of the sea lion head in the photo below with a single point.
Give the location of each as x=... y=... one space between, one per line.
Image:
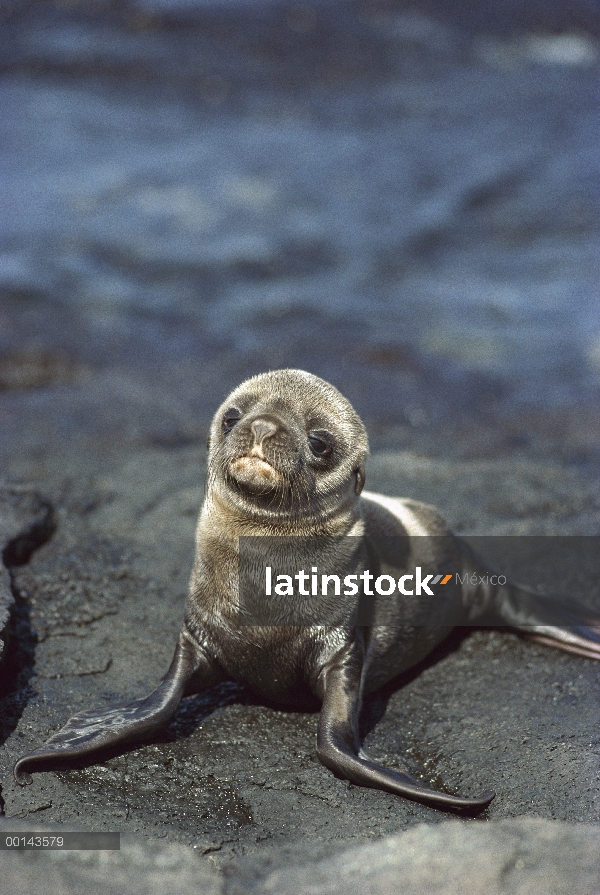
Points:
x=287 y=444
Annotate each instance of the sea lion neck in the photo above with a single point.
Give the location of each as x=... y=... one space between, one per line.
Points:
x=232 y=521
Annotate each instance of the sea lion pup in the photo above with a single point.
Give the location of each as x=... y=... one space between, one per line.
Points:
x=286 y=469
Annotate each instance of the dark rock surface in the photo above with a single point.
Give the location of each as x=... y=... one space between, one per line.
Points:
x=25 y=523
x=239 y=780
x=396 y=197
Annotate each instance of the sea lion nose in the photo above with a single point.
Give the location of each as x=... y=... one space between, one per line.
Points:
x=262 y=428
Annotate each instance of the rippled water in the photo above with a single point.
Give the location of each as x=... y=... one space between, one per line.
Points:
x=372 y=196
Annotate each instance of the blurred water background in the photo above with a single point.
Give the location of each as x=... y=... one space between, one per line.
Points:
x=398 y=196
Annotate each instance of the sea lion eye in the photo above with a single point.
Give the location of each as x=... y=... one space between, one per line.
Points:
x=230 y=418
x=319 y=446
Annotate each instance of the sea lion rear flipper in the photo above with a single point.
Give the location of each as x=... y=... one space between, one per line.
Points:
x=338 y=744
x=554 y=621
x=94 y=730
x=579 y=639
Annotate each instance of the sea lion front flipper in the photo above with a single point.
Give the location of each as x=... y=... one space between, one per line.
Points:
x=338 y=743
x=95 y=730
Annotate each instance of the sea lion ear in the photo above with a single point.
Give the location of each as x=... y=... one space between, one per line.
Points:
x=360 y=479
x=208 y=444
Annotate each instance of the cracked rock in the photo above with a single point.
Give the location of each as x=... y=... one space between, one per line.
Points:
x=25 y=522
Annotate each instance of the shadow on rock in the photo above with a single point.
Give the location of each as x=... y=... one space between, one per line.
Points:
x=19 y=661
